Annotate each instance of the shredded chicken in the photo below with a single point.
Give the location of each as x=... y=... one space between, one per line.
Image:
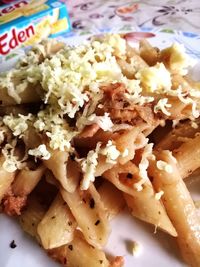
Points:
x=121 y=110
x=12 y=205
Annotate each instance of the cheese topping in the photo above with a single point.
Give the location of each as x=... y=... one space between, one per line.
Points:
x=71 y=83
x=136 y=248
x=158 y=195
x=155 y=79
x=111 y=152
x=177 y=58
x=88 y=166
x=18 y=125
x=162 y=105
x=162 y=165
x=40 y=152
x=104 y=122
x=11 y=163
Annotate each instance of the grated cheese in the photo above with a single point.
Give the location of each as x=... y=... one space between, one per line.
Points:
x=40 y=152
x=162 y=165
x=162 y=105
x=18 y=125
x=11 y=162
x=158 y=195
x=143 y=166
x=136 y=248
x=111 y=152
x=88 y=166
x=104 y=122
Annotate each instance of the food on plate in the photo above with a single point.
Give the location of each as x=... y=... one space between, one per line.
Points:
x=88 y=130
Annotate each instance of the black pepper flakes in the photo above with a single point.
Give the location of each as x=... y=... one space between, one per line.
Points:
x=13 y=244
x=97 y=222
x=70 y=223
x=100 y=261
x=65 y=261
x=129 y=175
x=70 y=247
x=53 y=217
x=92 y=203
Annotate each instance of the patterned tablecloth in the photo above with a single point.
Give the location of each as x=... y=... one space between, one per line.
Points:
x=100 y=16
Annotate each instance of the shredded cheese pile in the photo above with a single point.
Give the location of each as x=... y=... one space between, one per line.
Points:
x=71 y=81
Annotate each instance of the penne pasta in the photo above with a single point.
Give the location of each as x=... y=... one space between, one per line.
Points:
x=111 y=198
x=6 y=179
x=179 y=205
x=89 y=213
x=142 y=204
x=57 y=226
x=188 y=156
x=26 y=181
x=79 y=253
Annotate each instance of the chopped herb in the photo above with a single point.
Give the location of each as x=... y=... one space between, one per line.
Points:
x=70 y=247
x=12 y=244
x=129 y=175
x=97 y=222
x=92 y=203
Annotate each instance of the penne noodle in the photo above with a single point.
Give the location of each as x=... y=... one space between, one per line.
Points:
x=179 y=205
x=58 y=164
x=188 y=156
x=6 y=179
x=79 y=253
x=31 y=216
x=149 y=53
x=178 y=135
x=57 y=226
x=89 y=212
x=111 y=198
x=143 y=204
x=26 y=181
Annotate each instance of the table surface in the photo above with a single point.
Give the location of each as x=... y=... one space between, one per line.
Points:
x=100 y=16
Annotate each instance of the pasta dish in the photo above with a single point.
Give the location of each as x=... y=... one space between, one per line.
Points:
x=86 y=131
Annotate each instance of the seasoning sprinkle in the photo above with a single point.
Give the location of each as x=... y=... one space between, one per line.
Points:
x=97 y=222
x=70 y=223
x=13 y=244
x=129 y=175
x=70 y=247
x=92 y=203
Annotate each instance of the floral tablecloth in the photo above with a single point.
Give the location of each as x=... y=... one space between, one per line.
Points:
x=99 y=16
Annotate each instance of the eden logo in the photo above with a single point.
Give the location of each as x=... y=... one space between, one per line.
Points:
x=13 y=39
x=11 y=7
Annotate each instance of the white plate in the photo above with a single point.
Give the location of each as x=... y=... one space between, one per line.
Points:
x=157 y=249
